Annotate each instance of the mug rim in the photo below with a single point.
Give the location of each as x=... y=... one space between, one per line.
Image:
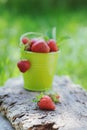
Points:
x=39 y=53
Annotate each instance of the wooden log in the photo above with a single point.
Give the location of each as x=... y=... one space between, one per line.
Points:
x=5 y=124
x=70 y=114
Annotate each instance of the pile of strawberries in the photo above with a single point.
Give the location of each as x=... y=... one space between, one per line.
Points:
x=39 y=45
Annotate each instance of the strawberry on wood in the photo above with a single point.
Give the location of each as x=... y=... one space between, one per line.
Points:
x=46 y=103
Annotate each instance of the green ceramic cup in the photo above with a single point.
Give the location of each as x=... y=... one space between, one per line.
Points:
x=41 y=73
x=43 y=67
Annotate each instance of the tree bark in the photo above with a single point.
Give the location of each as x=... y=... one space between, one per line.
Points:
x=17 y=106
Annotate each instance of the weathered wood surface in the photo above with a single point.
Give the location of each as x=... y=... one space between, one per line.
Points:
x=5 y=124
x=71 y=114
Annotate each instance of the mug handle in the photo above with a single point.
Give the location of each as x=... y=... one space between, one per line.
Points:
x=30 y=33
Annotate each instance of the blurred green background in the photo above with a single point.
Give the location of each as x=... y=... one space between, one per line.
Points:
x=68 y=16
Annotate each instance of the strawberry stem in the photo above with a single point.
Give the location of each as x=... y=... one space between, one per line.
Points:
x=38 y=97
x=54 y=96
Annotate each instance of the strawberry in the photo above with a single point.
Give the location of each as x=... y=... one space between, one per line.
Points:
x=33 y=41
x=53 y=46
x=25 y=40
x=46 y=103
x=23 y=65
x=40 y=46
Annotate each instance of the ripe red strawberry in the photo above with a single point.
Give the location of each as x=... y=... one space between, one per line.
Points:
x=53 y=46
x=33 y=41
x=46 y=103
x=23 y=65
x=40 y=46
x=25 y=40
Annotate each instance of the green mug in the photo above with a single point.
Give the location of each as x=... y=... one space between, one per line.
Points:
x=41 y=73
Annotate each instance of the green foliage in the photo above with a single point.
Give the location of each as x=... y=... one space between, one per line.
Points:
x=72 y=56
x=42 y=5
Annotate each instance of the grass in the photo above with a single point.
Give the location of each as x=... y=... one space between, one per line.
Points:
x=72 y=57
